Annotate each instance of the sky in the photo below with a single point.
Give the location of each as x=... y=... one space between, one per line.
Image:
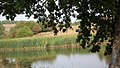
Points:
x=23 y=18
x=19 y=18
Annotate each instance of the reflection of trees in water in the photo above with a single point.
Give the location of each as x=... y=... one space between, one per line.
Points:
x=102 y=57
x=5 y=63
x=107 y=59
x=24 y=63
x=25 y=59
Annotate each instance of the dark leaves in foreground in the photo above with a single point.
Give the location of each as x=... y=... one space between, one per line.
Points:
x=108 y=50
x=99 y=13
x=95 y=48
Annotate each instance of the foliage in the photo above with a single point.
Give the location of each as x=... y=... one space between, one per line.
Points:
x=24 y=32
x=36 y=28
x=1 y=36
x=21 y=24
x=13 y=32
x=43 y=27
x=2 y=29
x=25 y=23
x=100 y=12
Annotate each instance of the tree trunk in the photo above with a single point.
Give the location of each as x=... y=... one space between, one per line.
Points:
x=115 y=56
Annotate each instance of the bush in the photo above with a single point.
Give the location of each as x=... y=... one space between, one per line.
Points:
x=22 y=24
x=24 y=32
x=2 y=29
x=12 y=32
x=2 y=36
x=43 y=29
x=36 y=28
x=33 y=26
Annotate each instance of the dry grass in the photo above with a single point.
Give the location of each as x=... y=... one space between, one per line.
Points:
x=8 y=26
x=60 y=33
x=46 y=34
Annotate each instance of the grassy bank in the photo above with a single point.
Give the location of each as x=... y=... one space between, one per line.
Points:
x=38 y=41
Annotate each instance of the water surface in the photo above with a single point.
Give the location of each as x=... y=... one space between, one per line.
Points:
x=57 y=58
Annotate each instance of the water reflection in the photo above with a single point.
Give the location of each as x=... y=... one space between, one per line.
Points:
x=72 y=61
x=57 y=58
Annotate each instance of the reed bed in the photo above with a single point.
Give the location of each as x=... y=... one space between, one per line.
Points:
x=38 y=41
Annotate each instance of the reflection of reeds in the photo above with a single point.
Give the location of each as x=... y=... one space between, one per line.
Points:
x=42 y=54
x=48 y=54
x=25 y=58
x=37 y=42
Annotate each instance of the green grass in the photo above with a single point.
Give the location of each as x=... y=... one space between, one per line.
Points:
x=38 y=41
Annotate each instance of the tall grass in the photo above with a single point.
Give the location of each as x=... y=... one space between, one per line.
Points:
x=38 y=41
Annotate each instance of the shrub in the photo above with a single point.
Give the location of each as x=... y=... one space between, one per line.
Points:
x=36 y=28
x=2 y=36
x=13 y=32
x=22 y=24
x=33 y=26
x=43 y=29
x=24 y=32
x=2 y=29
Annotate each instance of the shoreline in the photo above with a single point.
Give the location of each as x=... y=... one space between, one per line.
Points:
x=39 y=48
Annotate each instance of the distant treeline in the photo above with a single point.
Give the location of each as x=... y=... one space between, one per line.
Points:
x=24 y=29
x=12 y=22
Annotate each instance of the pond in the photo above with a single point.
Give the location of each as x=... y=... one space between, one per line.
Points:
x=54 y=58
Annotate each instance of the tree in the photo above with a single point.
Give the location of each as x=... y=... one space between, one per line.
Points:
x=105 y=14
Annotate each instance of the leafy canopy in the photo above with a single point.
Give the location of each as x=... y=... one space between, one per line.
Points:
x=97 y=13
